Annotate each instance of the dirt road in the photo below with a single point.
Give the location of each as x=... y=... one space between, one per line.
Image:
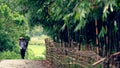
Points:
x=21 y=64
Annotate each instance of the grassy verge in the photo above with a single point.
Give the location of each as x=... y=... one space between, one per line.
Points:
x=38 y=52
x=36 y=49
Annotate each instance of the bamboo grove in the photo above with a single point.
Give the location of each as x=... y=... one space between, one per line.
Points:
x=86 y=22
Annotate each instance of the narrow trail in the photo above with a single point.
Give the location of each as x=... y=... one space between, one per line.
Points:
x=21 y=64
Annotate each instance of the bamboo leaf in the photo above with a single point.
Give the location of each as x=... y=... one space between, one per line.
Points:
x=111 y=7
x=77 y=16
x=102 y=32
x=63 y=27
x=80 y=25
x=115 y=26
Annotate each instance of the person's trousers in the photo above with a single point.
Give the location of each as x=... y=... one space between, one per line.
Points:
x=22 y=53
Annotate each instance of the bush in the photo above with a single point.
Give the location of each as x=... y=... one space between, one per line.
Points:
x=6 y=42
x=29 y=54
x=9 y=55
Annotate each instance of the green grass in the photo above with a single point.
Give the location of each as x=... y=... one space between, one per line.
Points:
x=9 y=55
x=37 y=48
x=38 y=40
x=38 y=51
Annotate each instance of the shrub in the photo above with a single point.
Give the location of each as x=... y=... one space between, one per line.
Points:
x=9 y=55
x=6 y=42
x=29 y=54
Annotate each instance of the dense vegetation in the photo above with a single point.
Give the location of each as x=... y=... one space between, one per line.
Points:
x=12 y=25
x=83 y=21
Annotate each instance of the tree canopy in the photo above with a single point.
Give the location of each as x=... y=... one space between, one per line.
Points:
x=12 y=25
x=72 y=17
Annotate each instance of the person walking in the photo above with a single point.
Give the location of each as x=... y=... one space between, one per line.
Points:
x=23 y=46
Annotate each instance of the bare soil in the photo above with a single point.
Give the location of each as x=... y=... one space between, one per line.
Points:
x=21 y=64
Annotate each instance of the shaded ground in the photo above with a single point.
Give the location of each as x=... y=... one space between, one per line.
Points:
x=21 y=64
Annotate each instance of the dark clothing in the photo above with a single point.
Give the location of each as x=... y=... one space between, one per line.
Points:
x=22 y=53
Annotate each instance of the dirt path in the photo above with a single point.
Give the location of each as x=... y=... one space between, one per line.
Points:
x=21 y=64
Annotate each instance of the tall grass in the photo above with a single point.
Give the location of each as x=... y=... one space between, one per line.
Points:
x=37 y=51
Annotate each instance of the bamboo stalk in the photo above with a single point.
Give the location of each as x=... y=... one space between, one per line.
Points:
x=96 y=27
x=102 y=60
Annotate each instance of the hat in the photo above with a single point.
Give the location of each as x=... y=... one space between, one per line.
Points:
x=21 y=38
